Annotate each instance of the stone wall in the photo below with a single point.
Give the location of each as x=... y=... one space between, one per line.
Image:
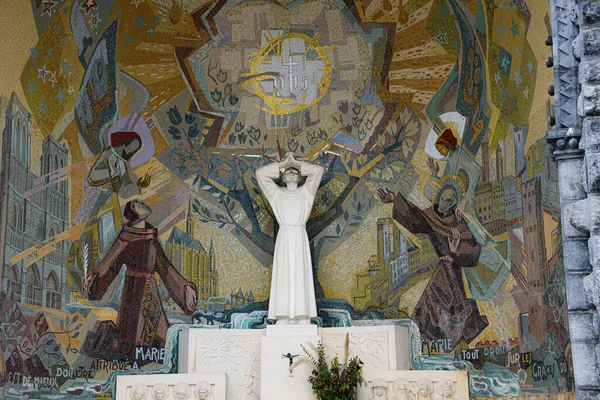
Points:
x=575 y=142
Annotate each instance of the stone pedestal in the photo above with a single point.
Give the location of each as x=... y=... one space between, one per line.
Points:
x=292 y=330
x=235 y=352
x=276 y=379
x=254 y=359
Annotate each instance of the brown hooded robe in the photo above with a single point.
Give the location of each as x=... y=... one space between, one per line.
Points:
x=142 y=320
x=443 y=311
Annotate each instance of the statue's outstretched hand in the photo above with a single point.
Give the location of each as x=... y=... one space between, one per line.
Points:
x=433 y=166
x=460 y=210
x=88 y=283
x=386 y=195
x=454 y=243
x=190 y=298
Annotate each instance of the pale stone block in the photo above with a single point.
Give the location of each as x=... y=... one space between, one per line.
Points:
x=443 y=385
x=584 y=365
x=383 y=347
x=569 y=176
x=276 y=380
x=171 y=386
x=292 y=330
x=235 y=352
x=582 y=326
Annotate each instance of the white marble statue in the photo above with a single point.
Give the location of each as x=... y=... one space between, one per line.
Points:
x=292 y=298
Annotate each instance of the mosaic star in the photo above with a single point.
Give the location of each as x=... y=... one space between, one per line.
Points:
x=48 y=5
x=441 y=38
x=43 y=107
x=42 y=72
x=95 y=20
x=61 y=95
x=517 y=78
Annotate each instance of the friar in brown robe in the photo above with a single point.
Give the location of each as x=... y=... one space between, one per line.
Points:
x=141 y=321
x=443 y=311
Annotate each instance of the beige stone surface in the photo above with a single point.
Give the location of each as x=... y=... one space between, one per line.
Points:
x=147 y=384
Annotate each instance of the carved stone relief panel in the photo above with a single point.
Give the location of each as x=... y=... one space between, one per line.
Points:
x=414 y=385
x=379 y=347
x=208 y=386
x=236 y=353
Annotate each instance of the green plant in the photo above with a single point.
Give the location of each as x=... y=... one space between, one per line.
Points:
x=336 y=381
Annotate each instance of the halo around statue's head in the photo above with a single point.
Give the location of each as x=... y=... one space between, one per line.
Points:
x=453 y=182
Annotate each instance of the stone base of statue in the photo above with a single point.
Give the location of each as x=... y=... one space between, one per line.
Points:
x=292 y=330
x=235 y=352
x=277 y=354
x=257 y=361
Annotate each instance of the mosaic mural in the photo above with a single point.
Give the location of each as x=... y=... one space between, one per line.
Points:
x=438 y=203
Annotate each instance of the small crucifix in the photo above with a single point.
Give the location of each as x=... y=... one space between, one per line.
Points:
x=291 y=357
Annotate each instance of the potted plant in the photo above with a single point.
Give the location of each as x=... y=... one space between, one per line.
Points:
x=336 y=381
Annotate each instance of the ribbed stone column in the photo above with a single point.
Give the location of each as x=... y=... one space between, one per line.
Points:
x=576 y=145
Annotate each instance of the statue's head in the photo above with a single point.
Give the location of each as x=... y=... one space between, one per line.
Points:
x=126 y=144
x=160 y=391
x=203 y=390
x=181 y=391
x=446 y=201
x=401 y=386
x=445 y=388
x=425 y=387
x=379 y=386
x=136 y=211
x=139 y=392
x=291 y=175
x=446 y=143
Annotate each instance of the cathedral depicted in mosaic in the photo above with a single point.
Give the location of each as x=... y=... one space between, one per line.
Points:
x=33 y=213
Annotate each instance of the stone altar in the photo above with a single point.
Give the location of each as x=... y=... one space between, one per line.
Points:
x=254 y=360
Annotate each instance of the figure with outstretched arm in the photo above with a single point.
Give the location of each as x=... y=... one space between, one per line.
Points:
x=141 y=320
x=443 y=311
x=292 y=298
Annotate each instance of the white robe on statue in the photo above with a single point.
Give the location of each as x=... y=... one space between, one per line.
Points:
x=292 y=287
